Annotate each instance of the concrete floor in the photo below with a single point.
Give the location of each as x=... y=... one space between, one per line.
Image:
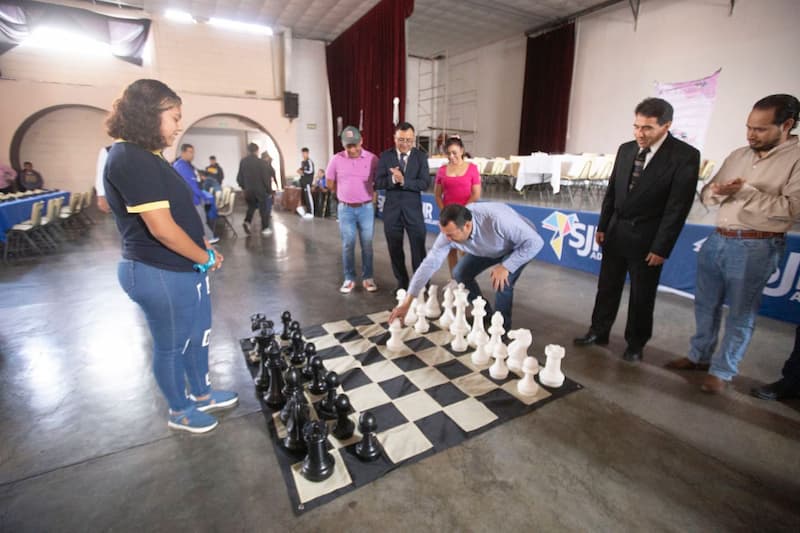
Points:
x=85 y=446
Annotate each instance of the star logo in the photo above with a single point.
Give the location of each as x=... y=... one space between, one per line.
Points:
x=563 y=225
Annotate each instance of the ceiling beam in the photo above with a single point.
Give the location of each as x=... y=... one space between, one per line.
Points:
x=548 y=26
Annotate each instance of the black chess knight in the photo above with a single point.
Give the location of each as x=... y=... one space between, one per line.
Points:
x=318 y=464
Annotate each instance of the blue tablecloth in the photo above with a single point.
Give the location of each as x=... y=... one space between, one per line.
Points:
x=20 y=210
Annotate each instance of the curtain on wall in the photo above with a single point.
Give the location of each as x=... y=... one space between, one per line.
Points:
x=127 y=37
x=545 y=98
x=367 y=70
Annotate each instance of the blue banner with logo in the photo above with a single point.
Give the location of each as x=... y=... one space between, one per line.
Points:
x=569 y=242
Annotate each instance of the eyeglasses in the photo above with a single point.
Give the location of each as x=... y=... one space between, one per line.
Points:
x=407 y=140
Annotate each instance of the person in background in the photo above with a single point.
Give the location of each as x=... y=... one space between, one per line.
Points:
x=8 y=179
x=458 y=182
x=165 y=259
x=183 y=165
x=214 y=170
x=351 y=176
x=99 y=186
x=789 y=384
x=254 y=178
x=306 y=173
x=29 y=179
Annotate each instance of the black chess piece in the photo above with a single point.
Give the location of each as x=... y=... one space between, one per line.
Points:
x=311 y=351
x=319 y=463
x=298 y=417
x=294 y=325
x=292 y=389
x=369 y=448
x=327 y=407
x=262 y=378
x=318 y=384
x=274 y=397
x=274 y=352
x=298 y=347
x=255 y=321
x=344 y=427
x=286 y=318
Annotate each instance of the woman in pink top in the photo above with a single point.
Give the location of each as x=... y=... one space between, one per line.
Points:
x=458 y=182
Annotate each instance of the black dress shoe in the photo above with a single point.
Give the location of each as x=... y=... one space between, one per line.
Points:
x=632 y=355
x=779 y=390
x=590 y=338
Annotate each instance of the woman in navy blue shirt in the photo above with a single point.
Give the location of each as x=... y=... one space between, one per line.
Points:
x=165 y=258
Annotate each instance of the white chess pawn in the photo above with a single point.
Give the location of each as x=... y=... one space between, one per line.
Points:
x=432 y=308
x=480 y=356
x=527 y=386
x=447 y=316
x=518 y=349
x=551 y=375
x=499 y=370
x=478 y=335
x=400 y=295
x=395 y=342
x=496 y=331
x=411 y=315
x=422 y=325
x=460 y=320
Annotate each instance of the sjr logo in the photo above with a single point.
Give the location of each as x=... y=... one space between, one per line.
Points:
x=787 y=281
x=582 y=239
x=581 y=236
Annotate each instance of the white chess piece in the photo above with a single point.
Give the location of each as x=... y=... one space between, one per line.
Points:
x=518 y=349
x=395 y=342
x=551 y=375
x=432 y=308
x=460 y=327
x=411 y=315
x=527 y=386
x=422 y=325
x=401 y=296
x=461 y=294
x=496 y=331
x=499 y=370
x=480 y=356
x=447 y=316
x=478 y=335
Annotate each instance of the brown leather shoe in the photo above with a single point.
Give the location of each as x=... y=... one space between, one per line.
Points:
x=684 y=363
x=713 y=385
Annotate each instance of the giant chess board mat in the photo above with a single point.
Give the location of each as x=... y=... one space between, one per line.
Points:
x=426 y=398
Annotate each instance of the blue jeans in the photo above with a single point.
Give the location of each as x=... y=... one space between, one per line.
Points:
x=354 y=220
x=468 y=268
x=177 y=306
x=736 y=271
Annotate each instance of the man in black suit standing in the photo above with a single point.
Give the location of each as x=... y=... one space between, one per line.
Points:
x=403 y=174
x=650 y=193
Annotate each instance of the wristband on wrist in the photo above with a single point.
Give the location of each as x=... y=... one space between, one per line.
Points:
x=212 y=259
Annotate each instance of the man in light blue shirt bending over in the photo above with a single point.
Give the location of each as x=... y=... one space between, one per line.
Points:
x=490 y=235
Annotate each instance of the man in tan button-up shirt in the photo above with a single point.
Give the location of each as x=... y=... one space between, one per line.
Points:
x=758 y=191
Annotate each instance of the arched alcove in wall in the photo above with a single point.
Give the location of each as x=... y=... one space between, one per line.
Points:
x=62 y=142
x=226 y=137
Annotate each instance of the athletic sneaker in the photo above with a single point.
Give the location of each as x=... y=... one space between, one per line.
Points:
x=219 y=399
x=369 y=284
x=266 y=232
x=347 y=286
x=246 y=226
x=192 y=420
x=213 y=240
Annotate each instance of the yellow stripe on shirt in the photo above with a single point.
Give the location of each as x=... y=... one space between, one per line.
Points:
x=150 y=206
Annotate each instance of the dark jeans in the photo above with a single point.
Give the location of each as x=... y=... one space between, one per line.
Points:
x=261 y=201
x=791 y=368
x=467 y=270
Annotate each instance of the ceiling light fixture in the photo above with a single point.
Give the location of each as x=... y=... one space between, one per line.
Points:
x=258 y=29
x=179 y=16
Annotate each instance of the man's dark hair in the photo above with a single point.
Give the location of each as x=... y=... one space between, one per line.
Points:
x=27 y=163
x=455 y=213
x=785 y=107
x=252 y=148
x=657 y=108
x=304 y=149
x=403 y=126
x=212 y=158
x=136 y=115
x=186 y=146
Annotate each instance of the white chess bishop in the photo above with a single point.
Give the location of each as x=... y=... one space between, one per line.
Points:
x=551 y=375
x=432 y=308
x=521 y=340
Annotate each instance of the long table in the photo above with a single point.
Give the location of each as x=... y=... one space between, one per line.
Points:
x=569 y=242
x=538 y=167
x=17 y=211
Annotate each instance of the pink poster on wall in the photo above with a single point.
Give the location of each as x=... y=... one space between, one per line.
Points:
x=693 y=102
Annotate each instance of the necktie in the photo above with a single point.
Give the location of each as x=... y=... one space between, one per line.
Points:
x=638 y=166
x=403 y=162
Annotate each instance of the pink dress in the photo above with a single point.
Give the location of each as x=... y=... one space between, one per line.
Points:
x=457 y=189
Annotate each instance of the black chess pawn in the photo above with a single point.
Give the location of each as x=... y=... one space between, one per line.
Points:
x=292 y=389
x=298 y=417
x=294 y=325
x=274 y=397
x=310 y=351
x=344 y=427
x=298 y=347
x=318 y=383
x=369 y=448
x=327 y=407
x=286 y=318
x=319 y=463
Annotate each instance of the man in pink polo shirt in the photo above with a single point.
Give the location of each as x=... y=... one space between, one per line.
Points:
x=351 y=176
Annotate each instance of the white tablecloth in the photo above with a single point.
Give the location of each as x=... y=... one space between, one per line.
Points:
x=538 y=166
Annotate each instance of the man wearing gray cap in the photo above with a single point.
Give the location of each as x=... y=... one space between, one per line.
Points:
x=351 y=176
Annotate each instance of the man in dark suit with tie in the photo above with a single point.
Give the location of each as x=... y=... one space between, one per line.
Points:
x=403 y=174
x=650 y=193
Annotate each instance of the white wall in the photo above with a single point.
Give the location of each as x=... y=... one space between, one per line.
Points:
x=681 y=40
x=310 y=80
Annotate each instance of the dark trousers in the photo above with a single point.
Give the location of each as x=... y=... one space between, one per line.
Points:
x=791 y=368
x=644 y=283
x=261 y=201
x=305 y=186
x=468 y=268
x=393 y=227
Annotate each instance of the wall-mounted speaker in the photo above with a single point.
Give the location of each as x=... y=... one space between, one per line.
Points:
x=290 y=105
